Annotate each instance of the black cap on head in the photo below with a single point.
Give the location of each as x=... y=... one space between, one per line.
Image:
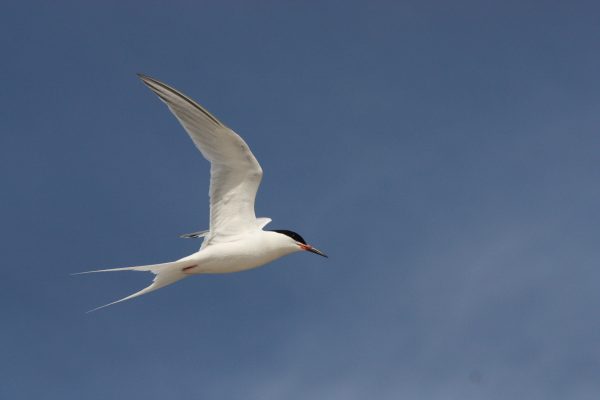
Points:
x=291 y=234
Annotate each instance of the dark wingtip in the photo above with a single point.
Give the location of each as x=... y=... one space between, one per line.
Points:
x=145 y=78
x=189 y=236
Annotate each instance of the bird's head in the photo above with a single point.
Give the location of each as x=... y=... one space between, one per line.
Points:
x=298 y=242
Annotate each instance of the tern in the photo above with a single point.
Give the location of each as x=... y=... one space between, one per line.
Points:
x=236 y=240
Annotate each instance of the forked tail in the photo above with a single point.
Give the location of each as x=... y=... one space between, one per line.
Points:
x=166 y=274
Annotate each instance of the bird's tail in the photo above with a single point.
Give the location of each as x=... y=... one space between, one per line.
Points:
x=166 y=274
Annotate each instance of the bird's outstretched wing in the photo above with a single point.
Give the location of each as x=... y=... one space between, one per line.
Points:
x=235 y=173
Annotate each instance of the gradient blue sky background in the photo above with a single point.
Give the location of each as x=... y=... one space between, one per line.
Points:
x=446 y=156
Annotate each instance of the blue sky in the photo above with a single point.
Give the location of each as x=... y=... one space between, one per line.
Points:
x=446 y=157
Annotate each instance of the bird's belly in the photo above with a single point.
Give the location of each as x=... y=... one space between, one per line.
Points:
x=233 y=261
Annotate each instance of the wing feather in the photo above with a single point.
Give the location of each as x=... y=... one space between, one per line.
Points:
x=235 y=172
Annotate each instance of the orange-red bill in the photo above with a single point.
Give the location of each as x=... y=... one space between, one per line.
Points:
x=308 y=247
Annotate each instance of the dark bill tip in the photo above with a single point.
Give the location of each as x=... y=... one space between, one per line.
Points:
x=316 y=251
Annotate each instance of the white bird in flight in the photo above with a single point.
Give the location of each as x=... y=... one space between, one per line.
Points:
x=235 y=240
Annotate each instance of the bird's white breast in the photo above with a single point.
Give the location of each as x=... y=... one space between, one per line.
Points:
x=247 y=252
